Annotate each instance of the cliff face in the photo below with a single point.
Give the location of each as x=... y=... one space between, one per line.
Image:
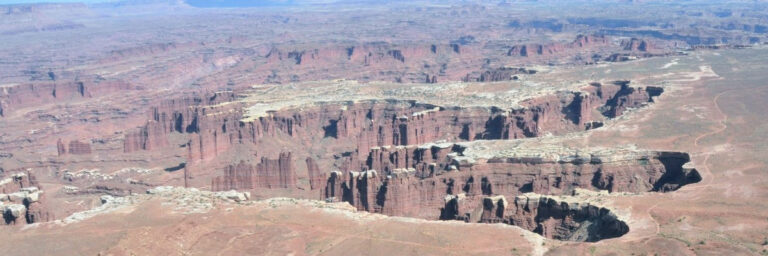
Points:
x=637 y=45
x=317 y=178
x=551 y=218
x=74 y=147
x=383 y=169
x=176 y=115
x=376 y=60
x=552 y=49
x=150 y=136
x=369 y=54
x=499 y=74
x=214 y=124
x=213 y=128
x=21 y=200
x=26 y=95
x=145 y=50
x=422 y=62
x=414 y=181
x=621 y=96
x=269 y=173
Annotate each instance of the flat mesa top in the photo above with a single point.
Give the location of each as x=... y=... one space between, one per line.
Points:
x=551 y=150
x=567 y=149
x=508 y=94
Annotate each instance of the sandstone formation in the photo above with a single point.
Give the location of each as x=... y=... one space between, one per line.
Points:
x=146 y=138
x=384 y=153
x=535 y=50
x=75 y=147
x=389 y=165
x=33 y=94
x=317 y=178
x=501 y=74
x=21 y=200
x=175 y=115
x=373 y=60
x=636 y=45
x=554 y=219
x=455 y=111
x=414 y=181
x=268 y=173
x=214 y=124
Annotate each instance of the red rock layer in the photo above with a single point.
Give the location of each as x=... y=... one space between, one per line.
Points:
x=213 y=128
x=636 y=45
x=317 y=178
x=551 y=218
x=33 y=207
x=413 y=181
x=499 y=74
x=368 y=55
x=17 y=182
x=620 y=96
x=372 y=61
x=150 y=136
x=175 y=115
x=145 y=50
x=533 y=50
x=269 y=173
x=25 y=95
x=61 y=148
x=37 y=212
x=75 y=148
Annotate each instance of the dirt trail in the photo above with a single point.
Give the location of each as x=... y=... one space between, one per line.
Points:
x=707 y=173
x=708 y=177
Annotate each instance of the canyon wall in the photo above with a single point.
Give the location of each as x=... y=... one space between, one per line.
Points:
x=386 y=161
x=213 y=124
x=212 y=127
x=269 y=173
x=21 y=200
x=74 y=147
x=377 y=60
x=421 y=62
x=176 y=115
x=549 y=217
x=499 y=74
x=414 y=181
x=535 y=50
x=26 y=95
x=368 y=54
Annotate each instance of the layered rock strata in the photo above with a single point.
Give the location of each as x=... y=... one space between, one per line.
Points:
x=387 y=164
x=74 y=147
x=547 y=216
x=269 y=173
x=414 y=181
x=216 y=123
x=21 y=200
x=18 y=96
x=534 y=50
x=499 y=74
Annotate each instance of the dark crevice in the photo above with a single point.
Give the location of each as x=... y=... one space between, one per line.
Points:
x=331 y=130
x=675 y=175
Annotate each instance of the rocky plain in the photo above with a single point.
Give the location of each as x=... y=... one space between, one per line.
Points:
x=384 y=128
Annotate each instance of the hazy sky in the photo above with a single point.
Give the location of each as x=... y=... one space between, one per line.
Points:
x=48 y=1
x=197 y=3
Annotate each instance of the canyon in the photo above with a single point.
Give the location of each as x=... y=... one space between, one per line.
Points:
x=387 y=160
x=380 y=128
